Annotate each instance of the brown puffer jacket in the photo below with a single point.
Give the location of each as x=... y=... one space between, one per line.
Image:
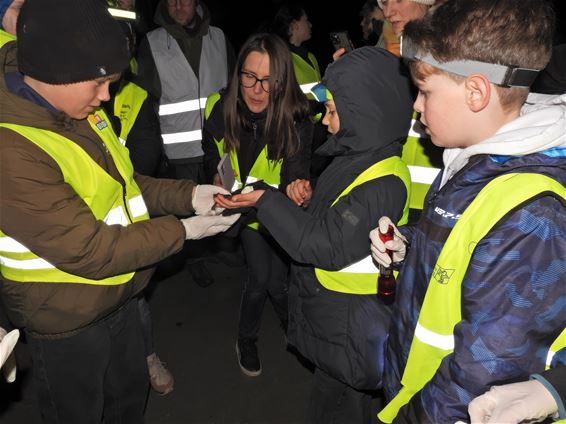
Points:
x=41 y=211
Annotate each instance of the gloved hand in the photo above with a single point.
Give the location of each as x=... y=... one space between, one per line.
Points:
x=513 y=403
x=197 y=227
x=203 y=199
x=7 y=358
x=397 y=246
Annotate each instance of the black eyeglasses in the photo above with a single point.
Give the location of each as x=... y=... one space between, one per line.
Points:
x=250 y=80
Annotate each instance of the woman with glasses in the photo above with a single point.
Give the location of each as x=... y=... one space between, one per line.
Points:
x=261 y=121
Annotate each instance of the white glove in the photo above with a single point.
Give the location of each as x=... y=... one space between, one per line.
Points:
x=397 y=246
x=513 y=403
x=197 y=227
x=203 y=199
x=7 y=358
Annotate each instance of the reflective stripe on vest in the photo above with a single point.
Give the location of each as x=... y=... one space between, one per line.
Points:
x=122 y=14
x=183 y=94
x=441 y=309
x=307 y=74
x=127 y=105
x=361 y=277
x=422 y=171
x=102 y=194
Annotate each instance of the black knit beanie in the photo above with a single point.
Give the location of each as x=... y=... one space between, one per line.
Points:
x=68 y=41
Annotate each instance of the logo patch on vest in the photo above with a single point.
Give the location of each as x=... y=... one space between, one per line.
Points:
x=442 y=275
x=98 y=121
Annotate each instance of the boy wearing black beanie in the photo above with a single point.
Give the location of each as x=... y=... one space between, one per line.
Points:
x=77 y=244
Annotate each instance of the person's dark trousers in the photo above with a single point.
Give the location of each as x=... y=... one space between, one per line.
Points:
x=268 y=270
x=333 y=402
x=146 y=324
x=98 y=374
x=194 y=250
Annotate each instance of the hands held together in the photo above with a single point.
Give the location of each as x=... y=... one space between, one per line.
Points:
x=300 y=192
x=379 y=249
x=208 y=220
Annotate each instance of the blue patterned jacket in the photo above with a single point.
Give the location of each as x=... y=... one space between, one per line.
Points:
x=513 y=294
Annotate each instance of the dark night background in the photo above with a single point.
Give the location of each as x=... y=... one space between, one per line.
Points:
x=239 y=19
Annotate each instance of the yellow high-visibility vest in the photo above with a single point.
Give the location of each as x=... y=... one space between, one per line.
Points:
x=127 y=105
x=441 y=309
x=423 y=172
x=361 y=277
x=106 y=198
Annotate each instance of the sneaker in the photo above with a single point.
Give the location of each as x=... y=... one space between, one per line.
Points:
x=248 y=358
x=161 y=379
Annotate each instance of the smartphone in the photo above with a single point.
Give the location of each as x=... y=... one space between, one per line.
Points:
x=226 y=172
x=341 y=39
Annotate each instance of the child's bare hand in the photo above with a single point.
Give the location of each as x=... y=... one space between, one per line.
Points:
x=239 y=200
x=300 y=192
x=338 y=54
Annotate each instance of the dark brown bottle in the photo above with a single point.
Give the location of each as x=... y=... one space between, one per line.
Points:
x=386 y=280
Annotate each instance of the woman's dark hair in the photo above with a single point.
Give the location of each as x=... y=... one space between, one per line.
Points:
x=287 y=103
x=285 y=15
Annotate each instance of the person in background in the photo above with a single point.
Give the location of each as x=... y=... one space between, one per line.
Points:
x=181 y=63
x=335 y=317
x=292 y=24
x=76 y=239
x=423 y=157
x=481 y=287
x=372 y=24
x=261 y=121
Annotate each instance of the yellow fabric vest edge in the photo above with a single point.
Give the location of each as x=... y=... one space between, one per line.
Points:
x=344 y=281
x=127 y=105
x=434 y=335
x=263 y=168
x=103 y=195
x=5 y=37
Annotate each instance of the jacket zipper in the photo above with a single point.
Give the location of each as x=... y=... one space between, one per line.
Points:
x=254 y=127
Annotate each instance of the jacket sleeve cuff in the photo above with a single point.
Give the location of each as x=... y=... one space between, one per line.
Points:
x=548 y=386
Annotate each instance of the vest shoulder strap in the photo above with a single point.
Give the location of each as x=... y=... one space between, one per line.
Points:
x=210 y=102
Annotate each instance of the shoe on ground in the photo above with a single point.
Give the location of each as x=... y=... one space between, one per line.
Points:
x=248 y=359
x=200 y=274
x=160 y=378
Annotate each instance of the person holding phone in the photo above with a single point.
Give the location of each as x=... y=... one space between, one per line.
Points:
x=262 y=121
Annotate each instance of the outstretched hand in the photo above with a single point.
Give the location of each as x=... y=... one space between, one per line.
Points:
x=236 y=201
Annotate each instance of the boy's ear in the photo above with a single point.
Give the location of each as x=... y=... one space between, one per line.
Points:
x=478 y=92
